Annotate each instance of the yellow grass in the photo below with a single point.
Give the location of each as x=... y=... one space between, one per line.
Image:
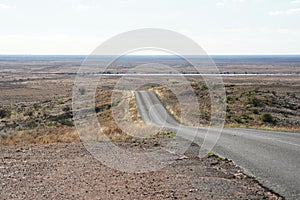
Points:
x=46 y=136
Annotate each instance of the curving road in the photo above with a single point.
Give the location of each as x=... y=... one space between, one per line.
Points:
x=272 y=157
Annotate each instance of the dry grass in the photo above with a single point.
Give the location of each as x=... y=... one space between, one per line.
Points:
x=45 y=136
x=169 y=100
x=133 y=110
x=32 y=132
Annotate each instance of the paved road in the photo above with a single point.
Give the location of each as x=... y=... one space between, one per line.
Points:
x=272 y=157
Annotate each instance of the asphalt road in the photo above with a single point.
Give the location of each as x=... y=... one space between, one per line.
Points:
x=272 y=157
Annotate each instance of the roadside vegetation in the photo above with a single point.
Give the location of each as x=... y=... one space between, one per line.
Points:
x=52 y=122
x=248 y=105
x=39 y=122
x=269 y=104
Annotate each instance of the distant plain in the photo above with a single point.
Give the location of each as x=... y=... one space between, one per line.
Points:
x=36 y=93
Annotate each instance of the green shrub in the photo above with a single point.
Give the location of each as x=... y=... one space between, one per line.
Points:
x=247 y=93
x=244 y=116
x=204 y=87
x=229 y=98
x=66 y=109
x=267 y=117
x=255 y=102
x=29 y=113
x=255 y=111
x=237 y=119
x=36 y=106
x=32 y=124
x=102 y=108
x=4 y=113
x=227 y=109
x=228 y=115
x=67 y=122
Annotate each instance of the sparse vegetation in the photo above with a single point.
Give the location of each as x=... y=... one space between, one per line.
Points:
x=4 y=113
x=268 y=118
x=256 y=102
x=66 y=122
x=167 y=133
x=213 y=155
x=255 y=111
x=66 y=109
x=43 y=109
x=32 y=124
x=246 y=105
x=230 y=98
x=102 y=108
x=29 y=113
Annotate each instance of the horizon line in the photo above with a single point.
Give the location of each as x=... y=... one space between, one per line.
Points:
x=277 y=54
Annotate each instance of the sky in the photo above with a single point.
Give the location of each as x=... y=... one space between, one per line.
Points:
x=219 y=26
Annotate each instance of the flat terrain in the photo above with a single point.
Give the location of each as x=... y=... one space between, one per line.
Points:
x=248 y=100
x=41 y=156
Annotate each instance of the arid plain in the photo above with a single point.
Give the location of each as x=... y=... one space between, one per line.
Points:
x=37 y=121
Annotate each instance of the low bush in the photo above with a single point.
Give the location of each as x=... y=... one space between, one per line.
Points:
x=4 y=113
x=255 y=102
x=29 y=113
x=66 y=122
x=267 y=118
x=102 y=108
x=255 y=111
x=32 y=124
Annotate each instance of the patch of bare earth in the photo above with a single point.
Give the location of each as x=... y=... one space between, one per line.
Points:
x=68 y=171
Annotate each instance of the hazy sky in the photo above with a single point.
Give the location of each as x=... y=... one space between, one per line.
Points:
x=219 y=26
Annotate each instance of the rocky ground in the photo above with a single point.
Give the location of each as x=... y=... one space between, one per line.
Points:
x=68 y=171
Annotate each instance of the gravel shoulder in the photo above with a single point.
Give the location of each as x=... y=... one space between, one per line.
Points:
x=68 y=171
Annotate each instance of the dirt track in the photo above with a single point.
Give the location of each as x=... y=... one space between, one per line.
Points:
x=68 y=171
